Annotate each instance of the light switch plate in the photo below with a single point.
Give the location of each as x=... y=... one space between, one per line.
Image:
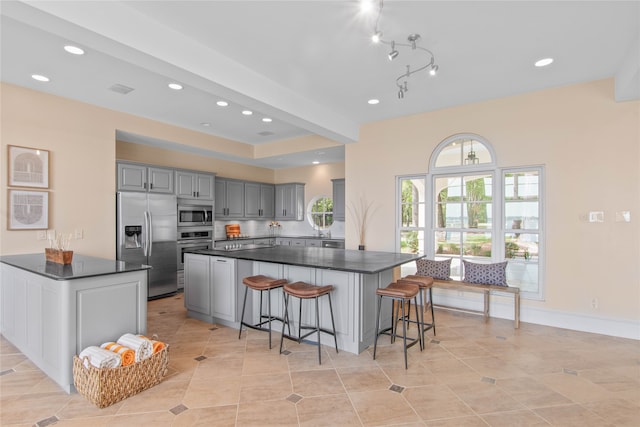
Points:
x=623 y=216
x=596 y=216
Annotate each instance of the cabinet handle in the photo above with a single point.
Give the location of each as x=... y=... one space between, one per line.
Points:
x=197 y=194
x=194 y=194
x=221 y=260
x=144 y=185
x=151 y=186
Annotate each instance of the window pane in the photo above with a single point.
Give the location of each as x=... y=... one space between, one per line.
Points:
x=448 y=242
x=521 y=186
x=412 y=241
x=477 y=215
x=477 y=245
x=449 y=156
x=475 y=153
x=523 y=275
x=521 y=215
x=413 y=215
x=523 y=246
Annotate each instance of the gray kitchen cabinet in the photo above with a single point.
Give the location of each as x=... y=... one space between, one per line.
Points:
x=281 y=241
x=223 y=288
x=290 y=202
x=197 y=288
x=194 y=185
x=338 y=199
x=265 y=241
x=259 y=200
x=145 y=178
x=313 y=242
x=298 y=242
x=210 y=287
x=229 y=198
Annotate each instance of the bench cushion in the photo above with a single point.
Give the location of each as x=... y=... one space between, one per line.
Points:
x=436 y=269
x=487 y=274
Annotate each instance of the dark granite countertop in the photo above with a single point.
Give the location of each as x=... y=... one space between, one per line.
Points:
x=366 y=262
x=81 y=267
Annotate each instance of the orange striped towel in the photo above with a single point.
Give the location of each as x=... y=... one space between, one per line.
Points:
x=128 y=355
x=157 y=345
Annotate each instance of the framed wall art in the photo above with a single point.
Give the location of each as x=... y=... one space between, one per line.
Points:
x=28 y=167
x=28 y=210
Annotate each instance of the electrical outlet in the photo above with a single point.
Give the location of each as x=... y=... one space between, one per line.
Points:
x=42 y=234
x=78 y=234
x=594 y=303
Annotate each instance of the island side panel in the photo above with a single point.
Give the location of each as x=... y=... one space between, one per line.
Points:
x=40 y=316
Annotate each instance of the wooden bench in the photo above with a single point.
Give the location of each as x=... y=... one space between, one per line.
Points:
x=484 y=289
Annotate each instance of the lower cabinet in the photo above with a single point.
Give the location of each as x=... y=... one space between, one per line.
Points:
x=210 y=287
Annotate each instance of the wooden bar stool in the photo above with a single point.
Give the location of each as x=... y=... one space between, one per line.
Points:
x=401 y=293
x=426 y=285
x=261 y=283
x=305 y=291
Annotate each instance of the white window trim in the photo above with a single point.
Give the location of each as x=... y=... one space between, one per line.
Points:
x=399 y=227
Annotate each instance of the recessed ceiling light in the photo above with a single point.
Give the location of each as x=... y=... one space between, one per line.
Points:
x=267 y=120
x=74 y=50
x=175 y=86
x=205 y=124
x=315 y=162
x=39 y=77
x=373 y=101
x=543 y=62
x=222 y=103
x=247 y=112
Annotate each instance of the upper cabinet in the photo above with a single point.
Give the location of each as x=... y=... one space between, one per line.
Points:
x=259 y=200
x=338 y=200
x=194 y=185
x=137 y=177
x=229 y=198
x=290 y=202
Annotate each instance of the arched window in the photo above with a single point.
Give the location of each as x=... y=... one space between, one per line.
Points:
x=476 y=211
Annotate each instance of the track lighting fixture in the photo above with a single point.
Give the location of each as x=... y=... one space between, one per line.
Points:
x=421 y=54
x=394 y=53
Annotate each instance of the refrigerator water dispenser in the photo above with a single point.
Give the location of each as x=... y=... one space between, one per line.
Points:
x=132 y=236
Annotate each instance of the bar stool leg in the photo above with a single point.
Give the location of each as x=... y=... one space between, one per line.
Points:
x=268 y=312
x=333 y=324
x=404 y=337
x=318 y=330
x=433 y=316
x=286 y=320
x=244 y=305
x=375 y=341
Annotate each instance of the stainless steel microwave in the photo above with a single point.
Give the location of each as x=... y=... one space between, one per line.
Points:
x=195 y=215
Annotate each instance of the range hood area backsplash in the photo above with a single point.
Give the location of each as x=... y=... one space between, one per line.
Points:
x=259 y=228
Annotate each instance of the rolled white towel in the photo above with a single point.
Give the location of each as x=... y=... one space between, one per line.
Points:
x=100 y=358
x=142 y=346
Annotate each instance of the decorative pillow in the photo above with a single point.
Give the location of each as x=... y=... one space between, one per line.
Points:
x=436 y=269
x=485 y=274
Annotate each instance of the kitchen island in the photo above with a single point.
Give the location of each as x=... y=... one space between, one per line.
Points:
x=51 y=311
x=214 y=289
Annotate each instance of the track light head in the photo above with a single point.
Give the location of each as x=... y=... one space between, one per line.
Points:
x=434 y=70
x=376 y=37
x=394 y=53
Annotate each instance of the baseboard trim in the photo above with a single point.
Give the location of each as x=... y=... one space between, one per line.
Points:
x=502 y=308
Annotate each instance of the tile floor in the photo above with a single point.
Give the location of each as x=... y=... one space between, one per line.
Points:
x=471 y=374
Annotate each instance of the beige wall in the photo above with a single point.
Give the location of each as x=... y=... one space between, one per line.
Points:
x=589 y=146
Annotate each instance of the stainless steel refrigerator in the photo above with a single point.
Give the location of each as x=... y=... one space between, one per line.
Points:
x=147 y=234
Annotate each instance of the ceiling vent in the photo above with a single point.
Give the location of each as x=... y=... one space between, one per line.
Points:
x=121 y=89
x=266 y=133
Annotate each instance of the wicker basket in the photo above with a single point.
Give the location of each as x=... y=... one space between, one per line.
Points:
x=106 y=386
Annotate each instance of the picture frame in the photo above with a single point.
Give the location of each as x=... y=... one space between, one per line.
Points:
x=28 y=167
x=28 y=210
